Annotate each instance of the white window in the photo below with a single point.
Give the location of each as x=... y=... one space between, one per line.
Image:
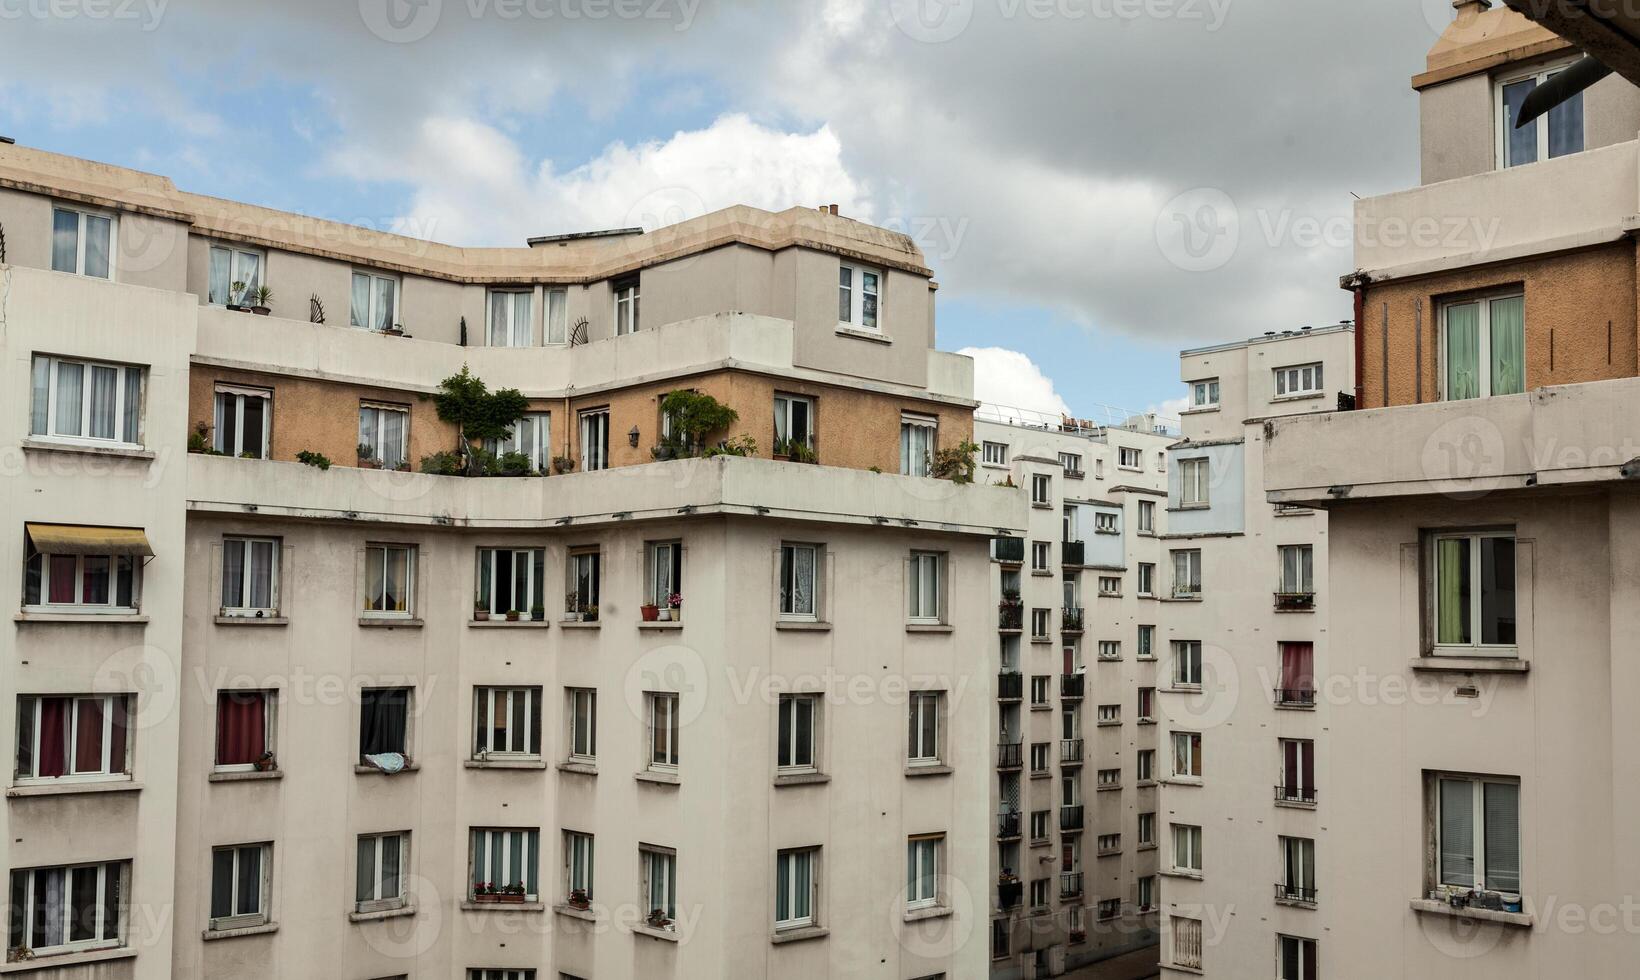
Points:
x=578 y=853
x=1110 y=714
x=379 y=881
x=585 y=571
x=1147 y=888
x=72 y=738
x=917 y=434
x=1297 y=956
x=1478 y=834
x=1039 y=893
x=504 y=861
x=511 y=580
x=660 y=884
x=1187 y=754
x=384 y=435
x=626 y=306
x=795 y=749
x=1187 y=942
x=1104 y=522
x=1193 y=479
x=1039 y=818
x=1204 y=393
x=532 y=436
x=793 y=424
x=926 y=587
x=1297 y=869
x=510 y=323
x=1187 y=663
x=1147 y=703
x=1041 y=488
x=1297 y=569
x=1556 y=133
x=244 y=730
x=795 y=886
x=1039 y=756
x=1483 y=349
x=583 y=724
x=1110 y=777
x=1039 y=689
x=1147 y=643
x=83 y=243
x=557 y=325
x=1187 y=573
x=86 y=401
x=1187 y=848
x=1300 y=379
x=250 y=576
x=924 y=746
x=663 y=573
x=1129 y=458
x=1147 y=578
x=595 y=440
x=239 y=885
x=1147 y=516
x=235 y=274
x=69 y=909
x=1110 y=650
x=1110 y=842
x=507 y=722
x=243 y=417
x=1071 y=463
x=477 y=974
x=1144 y=767
x=994 y=453
x=858 y=288
x=922 y=871
x=1039 y=622
x=1041 y=555
x=799 y=580
x=663 y=731
x=1110 y=585
x=390 y=579
x=1473 y=593
x=1147 y=831
x=82 y=583
x=375 y=301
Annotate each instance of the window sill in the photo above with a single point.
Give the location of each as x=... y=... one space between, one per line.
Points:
x=1042 y=505
x=1195 y=970
x=1041 y=707
x=505 y=624
x=504 y=764
x=1295 y=903
x=1075 y=474
x=1432 y=907
x=932 y=912
x=1145 y=721
x=658 y=778
x=468 y=905
x=928 y=771
x=1471 y=665
x=1292 y=612
x=665 y=935
x=252 y=621
x=245 y=777
x=54 y=961
x=379 y=914
x=1296 y=804
x=802 y=625
x=1108 y=854
x=670 y=624
x=858 y=334
x=1200 y=410
x=1108 y=789
x=72 y=788
x=84 y=619
x=802 y=779
x=1108 y=724
x=1185 y=875
x=571 y=912
x=1183 y=781
x=1300 y=397
x=929 y=628
x=266 y=928
x=1042 y=639
x=1293 y=706
x=364 y=770
x=87 y=449
x=1144 y=784
x=1040 y=774
x=1146 y=847
x=780 y=938
x=577 y=624
x=1042 y=573
x=1041 y=842
x=390 y=622
x=584 y=768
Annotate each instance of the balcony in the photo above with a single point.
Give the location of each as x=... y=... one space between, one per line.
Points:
x=1010 y=755
x=1295 y=601
x=1295 y=697
x=1070 y=619
x=1070 y=884
x=1070 y=751
x=1294 y=894
x=1072 y=553
x=1010 y=685
x=1070 y=686
x=1010 y=617
x=1009 y=551
x=1008 y=825
x=1009 y=895
x=1296 y=795
x=1070 y=818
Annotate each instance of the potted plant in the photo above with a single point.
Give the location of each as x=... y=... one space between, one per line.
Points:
x=658 y=919
x=236 y=297
x=538 y=613
x=199 y=440
x=512 y=615
x=562 y=464
x=481 y=612
x=674 y=607
x=579 y=899
x=259 y=298
x=19 y=954
x=589 y=614
x=367 y=457
x=649 y=611
x=396 y=330
x=266 y=762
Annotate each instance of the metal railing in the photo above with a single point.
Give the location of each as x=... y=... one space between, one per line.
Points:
x=1070 y=751
x=1295 y=697
x=1010 y=685
x=1070 y=817
x=1294 y=601
x=1295 y=794
x=1008 y=825
x=1008 y=549
x=1010 y=616
x=1009 y=895
x=1072 y=552
x=1292 y=892
x=1070 y=619
x=1070 y=884
x=1070 y=685
x=1103 y=417
x=1010 y=755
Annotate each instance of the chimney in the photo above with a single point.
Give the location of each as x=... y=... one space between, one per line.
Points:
x=1470 y=8
x=833 y=209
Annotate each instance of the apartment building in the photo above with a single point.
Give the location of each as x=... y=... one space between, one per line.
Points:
x=1247 y=873
x=1076 y=595
x=283 y=704
x=1482 y=523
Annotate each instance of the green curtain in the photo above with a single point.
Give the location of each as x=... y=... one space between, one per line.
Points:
x=1463 y=329
x=1508 y=345
x=1451 y=555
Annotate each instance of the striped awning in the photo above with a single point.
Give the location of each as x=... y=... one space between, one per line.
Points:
x=71 y=539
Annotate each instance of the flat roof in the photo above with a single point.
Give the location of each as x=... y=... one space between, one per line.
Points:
x=1272 y=337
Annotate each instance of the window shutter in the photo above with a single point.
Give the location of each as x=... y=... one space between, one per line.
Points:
x=1502 y=806
x=1457 y=833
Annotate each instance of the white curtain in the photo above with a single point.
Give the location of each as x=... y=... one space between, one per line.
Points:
x=70 y=398
x=39 y=408
x=385 y=314
x=233 y=574
x=521 y=319
x=500 y=329
x=391 y=452
x=133 y=404
x=557 y=316
x=361 y=300
x=218 y=292
x=104 y=395
x=262 y=574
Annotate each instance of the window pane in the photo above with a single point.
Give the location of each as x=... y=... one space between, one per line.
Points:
x=251 y=438
x=1457 y=833
x=365 y=874
x=104 y=395
x=98 y=235
x=250 y=881
x=361 y=300
x=1508 y=337
x=385 y=314
x=221 y=883
x=40 y=402
x=1502 y=806
x=1463 y=351
x=1452 y=591
x=70 y=398
x=133 y=405
x=217 y=290
x=1566 y=127
x=65 y=241
x=1519 y=145
x=1497 y=588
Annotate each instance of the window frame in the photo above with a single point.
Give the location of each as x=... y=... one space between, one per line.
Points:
x=658 y=557
x=655 y=861
x=379 y=431
x=789 y=728
x=539 y=449
x=787 y=576
x=1122 y=455
x=586 y=562
x=1288 y=380
x=783 y=405
x=1187 y=747
x=794 y=896
x=535 y=572
x=1041 y=489
x=1304 y=569
x=583 y=730
x=1204 y=394
x=233 y=444
x=1502 y=125
x=497 y=296
x=592 y=423
x=82 y=216
x=113 y=707
x=580 y=863
x=923 y=859
x=32 y=908
x=263 y=912
x=379 y=901
x=1480 y=874
x=248 y=544
x=1483 y=341
x=386 y=549
x=488 y=696
x=1307 y=967
x=626 y=295
x=925 y=711
x=269 y=698
x=1192 y=558
x=852 y=279
x=912 y=428
x=663 y=758
x=921 y=567
x=1476 y=648
x=529 y=863
x=78 y=606
x=372 y=312
x=1195 y=483
x=235 y=253
x=998 y=457
x=125 y=415
x=1191 y=836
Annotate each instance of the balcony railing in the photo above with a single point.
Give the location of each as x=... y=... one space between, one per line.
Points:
x=1295 y=697
x=1011 y=550
x=1291 y=892
x=1070 y=884
x=1070 y=619
x=1008 y=825
x=1070 y=817
x=1296 y=794
x=1295 y=601
x=1070 y=751
x=1009 y=895
x=1010 y=755
x=1070 y=685
x=1010 y=685
x=1072 y=553
x=1010 y=616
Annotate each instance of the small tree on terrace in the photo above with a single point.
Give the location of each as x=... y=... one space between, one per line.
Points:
x=477 y=412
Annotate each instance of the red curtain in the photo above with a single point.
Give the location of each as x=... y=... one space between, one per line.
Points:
x=241 y=735
x=62 y=578
x=88 y=745
x=1297 y=670
x=53 y=758
x=1299 y=769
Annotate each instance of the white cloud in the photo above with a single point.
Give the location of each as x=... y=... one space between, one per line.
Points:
x=1009 y=379
x=1171 y=408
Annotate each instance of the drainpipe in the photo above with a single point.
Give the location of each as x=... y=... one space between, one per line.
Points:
x=1359 y=286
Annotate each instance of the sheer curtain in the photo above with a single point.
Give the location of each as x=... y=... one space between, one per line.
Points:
x=499 y=327
x=104 y=395
x=218 y=291
x=233 y=574
x=385 y=314
x=133 y=404
x=1463 y=351
x=1451 y=583
x=70 y=398
x=39 y=407
x=521 y=319
x=262 y=574
x=557 y=316
x=1508 y=337
x=391 y=452
x=361 y=301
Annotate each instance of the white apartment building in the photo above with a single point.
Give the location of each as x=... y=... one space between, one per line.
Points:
x=281 y=707
x=1075 y=798
x=1247 y=870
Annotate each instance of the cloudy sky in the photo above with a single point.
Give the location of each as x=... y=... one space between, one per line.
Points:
x=1096 y=182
